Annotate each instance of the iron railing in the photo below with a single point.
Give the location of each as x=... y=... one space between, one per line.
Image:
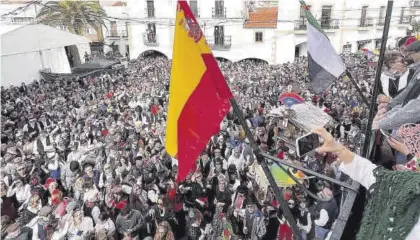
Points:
x=329 y=23
x=150 y=39
x=366 y=22
x=405 y=20
x=117 y=35
x=300 y=24
x=222 y=43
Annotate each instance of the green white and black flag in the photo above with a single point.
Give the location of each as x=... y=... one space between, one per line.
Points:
x=325 y=65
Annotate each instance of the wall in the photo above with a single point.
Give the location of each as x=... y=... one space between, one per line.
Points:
x=279 y=44
x=117 y=14
x=243 y=43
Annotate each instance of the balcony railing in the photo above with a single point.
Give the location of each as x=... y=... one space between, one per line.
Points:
x=220 y=43
x=366 y=22
x=329 y=23
x=300 y=25
x=150 y=11
x=219 y=12
x=150 y=40
x=405 y=20
x=117 y=35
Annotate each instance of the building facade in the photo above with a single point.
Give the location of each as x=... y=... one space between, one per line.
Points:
x=114 y=35
x=115 y=31
x=273 y=31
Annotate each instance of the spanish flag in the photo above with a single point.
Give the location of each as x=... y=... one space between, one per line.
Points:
x=198 y=95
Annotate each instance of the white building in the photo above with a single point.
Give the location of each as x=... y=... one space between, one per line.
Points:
x=274 y=31
x=18 y=12
x=115 y=30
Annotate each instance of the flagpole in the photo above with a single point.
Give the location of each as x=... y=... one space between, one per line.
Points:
x=261 y=160
x=365 y=100
x=372 y=111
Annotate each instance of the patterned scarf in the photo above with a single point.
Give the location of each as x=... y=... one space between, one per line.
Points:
x=393 y=208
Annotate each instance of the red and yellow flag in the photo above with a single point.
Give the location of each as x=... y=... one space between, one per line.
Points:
x=198 y=95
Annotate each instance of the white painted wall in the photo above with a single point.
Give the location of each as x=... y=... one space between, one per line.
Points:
x=279 y=44
x=24 y=17
x=117 y=14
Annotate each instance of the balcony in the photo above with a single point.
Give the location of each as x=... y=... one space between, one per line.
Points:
x=366 y=22
x=115 y=35
x=219 y=12
x=150 y=12
x=300 y=25
x=405 y=20
x=329 y=24
x=219 y=44
x=150 y=40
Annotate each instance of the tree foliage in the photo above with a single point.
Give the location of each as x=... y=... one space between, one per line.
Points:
x=75 y=15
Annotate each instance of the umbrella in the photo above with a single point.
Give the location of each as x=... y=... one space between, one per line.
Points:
x=290 y=98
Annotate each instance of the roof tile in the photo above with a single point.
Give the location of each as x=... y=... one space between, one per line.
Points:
x=262 y=18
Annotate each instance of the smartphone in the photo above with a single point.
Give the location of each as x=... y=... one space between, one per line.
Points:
x=385 y=133
x=307 y=143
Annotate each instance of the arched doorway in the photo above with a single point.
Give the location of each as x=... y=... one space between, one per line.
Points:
x=255 y=60
x=222 y=59
x=301 y=49
x=152 y=53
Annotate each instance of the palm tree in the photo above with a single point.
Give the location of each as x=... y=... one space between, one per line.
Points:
x=75 y=15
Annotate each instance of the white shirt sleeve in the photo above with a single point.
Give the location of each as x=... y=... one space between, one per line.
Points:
x=360 y=170
x=415 y=232
x=323 y=218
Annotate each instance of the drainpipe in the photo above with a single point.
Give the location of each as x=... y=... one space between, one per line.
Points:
x=343 y=17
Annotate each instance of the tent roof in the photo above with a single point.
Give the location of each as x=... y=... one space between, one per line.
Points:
x=36 y=37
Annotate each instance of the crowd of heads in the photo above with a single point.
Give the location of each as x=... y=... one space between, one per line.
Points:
x=84 y=158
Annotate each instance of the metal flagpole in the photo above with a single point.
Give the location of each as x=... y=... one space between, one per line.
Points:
x=365 y=100
x=372 y=111
x=260 y=158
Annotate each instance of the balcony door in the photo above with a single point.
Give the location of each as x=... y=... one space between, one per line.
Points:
x=151 y=32
x=326 y=16
x=219 y=35
x=114 y=31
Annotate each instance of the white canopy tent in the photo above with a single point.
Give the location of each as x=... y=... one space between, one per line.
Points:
x=27 y=49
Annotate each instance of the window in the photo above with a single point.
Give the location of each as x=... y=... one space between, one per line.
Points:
x=326 y=17
x=301 y=23
x=150 y=8
x=363 y=17
x=151 y=32
x=258 y=37
x=302 y=11
x=194 y=7
x=382 y=13
x=405 y=15
x=114 y=31
x=219 y=9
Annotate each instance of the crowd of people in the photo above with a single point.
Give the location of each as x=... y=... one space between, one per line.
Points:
x=85 y=159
